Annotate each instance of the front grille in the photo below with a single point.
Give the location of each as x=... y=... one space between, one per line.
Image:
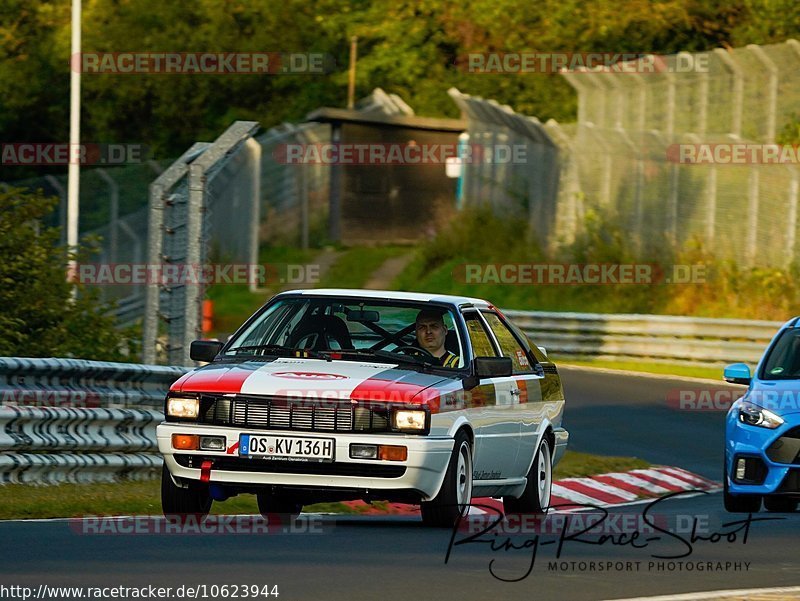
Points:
x=271 y=413
x=549 y=368
x=236 y=464
x=786 y=449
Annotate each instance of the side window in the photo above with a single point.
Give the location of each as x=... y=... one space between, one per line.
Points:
x=509 y=345
x=481 y=345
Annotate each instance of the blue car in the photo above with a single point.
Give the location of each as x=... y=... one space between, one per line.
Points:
x=762 y=433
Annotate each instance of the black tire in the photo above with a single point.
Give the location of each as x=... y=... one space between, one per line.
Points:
x=445 y=508
x=535 y=499
x=277 y=508
x=194 y=500
x=780 y=504
x=738 y=503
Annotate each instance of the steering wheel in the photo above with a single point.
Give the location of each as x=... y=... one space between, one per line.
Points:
x=410 y=349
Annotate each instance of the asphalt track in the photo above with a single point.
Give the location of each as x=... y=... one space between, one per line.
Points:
x=395 y=558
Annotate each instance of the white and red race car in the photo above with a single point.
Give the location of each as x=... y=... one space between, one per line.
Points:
x=327 y=395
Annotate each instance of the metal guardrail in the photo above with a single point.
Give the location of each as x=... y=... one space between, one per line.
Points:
x=73 y=420
x=648 y=338
x=82 y=383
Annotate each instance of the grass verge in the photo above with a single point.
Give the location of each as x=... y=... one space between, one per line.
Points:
x=143 y=498
x=711 y=373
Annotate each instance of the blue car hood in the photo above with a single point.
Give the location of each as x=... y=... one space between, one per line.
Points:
x=782 y=397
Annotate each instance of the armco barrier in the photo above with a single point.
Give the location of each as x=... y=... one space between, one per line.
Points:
x=648 y=338
x=82 y=383
x=73 y=420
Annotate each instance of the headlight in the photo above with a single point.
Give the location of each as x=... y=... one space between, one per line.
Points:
x=183 y=407
x=753 y=415
x=404 y=419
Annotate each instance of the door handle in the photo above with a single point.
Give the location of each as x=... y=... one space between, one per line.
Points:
x=515 y=391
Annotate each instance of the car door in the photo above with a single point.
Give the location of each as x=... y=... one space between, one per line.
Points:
x=526 y=408
x=496 y=436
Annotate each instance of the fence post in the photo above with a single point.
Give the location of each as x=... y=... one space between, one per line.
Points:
x=738 y=90
x=772 y=106
x=752 y=216
x=113 y=225
x=158 y=192
x=791 y=225
x=62 y=206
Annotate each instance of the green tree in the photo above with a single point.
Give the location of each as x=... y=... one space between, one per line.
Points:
x=39 y=316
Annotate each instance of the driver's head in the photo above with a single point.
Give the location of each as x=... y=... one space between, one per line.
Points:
x=431 y=331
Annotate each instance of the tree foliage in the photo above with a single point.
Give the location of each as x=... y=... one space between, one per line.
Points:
x=40 y=317
x=411 y=48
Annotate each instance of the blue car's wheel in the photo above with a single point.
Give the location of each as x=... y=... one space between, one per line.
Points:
x=780 y=504
x=738 y=503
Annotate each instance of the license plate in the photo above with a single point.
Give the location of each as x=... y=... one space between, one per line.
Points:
x=286 y=447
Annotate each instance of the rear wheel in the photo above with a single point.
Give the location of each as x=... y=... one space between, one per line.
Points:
x=780 y=504
x=456 y=492
x=738 y=503
x=195 y=499
x=535 y=499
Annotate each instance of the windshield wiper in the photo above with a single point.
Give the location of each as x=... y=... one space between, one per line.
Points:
x=385 y=355
x=401 y=358
x=277 y=349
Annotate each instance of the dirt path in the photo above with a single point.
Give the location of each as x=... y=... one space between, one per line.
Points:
x=382 y=278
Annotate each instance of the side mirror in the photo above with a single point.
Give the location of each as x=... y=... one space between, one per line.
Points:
x=204 y=350
x=492 y=367
x=737 y=373
x=543 y=350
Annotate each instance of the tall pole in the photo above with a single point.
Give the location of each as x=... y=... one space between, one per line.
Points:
x=351 y=79
x=73 y=179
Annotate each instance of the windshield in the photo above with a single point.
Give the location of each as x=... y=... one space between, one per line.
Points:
x=783 y=362
x=414 y=333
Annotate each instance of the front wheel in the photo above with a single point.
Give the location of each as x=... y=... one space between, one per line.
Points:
x=535 y=499
x=780 y=504
x=193 y=500
x=456 y=492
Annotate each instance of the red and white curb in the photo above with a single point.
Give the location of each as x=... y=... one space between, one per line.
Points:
x=602 y=490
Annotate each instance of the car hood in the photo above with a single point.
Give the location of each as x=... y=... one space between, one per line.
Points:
x=310 y=378
x=780 y=396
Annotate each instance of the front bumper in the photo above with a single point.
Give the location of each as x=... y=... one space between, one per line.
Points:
x=422 y=472
x=759 y=447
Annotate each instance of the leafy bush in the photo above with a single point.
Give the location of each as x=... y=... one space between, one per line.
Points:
x=44 y=315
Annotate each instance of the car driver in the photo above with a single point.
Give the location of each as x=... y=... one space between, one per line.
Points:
x=431 y=334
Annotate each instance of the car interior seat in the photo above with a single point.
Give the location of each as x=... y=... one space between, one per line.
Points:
x=319 y=331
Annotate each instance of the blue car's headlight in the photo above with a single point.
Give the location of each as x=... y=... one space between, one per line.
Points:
x=753 y=415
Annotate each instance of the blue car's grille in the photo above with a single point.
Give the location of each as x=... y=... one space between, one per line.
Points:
x=786 y=449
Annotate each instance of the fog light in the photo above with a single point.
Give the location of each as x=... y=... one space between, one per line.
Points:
x=392 y=453
x=741 y=464
x=185 y=442
x=363 y=451
x=212 y=443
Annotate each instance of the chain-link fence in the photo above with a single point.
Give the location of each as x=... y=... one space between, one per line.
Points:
x=512 y=164
x=640 y=139
x=113 y=211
